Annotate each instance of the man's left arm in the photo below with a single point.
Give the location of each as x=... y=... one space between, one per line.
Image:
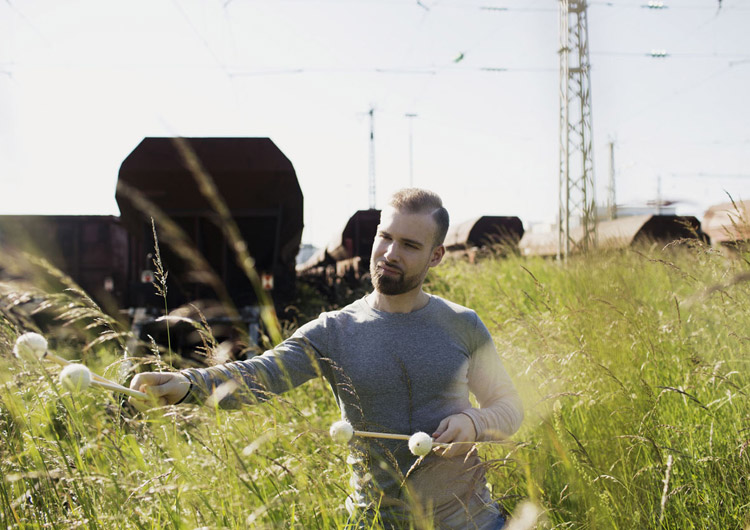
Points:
x=500 y=411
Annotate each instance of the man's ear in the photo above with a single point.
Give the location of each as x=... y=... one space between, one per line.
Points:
x=437 y=255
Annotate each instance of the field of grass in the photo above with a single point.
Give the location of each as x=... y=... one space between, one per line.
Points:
x=633 y=367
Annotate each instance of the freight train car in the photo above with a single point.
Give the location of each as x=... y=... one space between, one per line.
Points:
x=111 y=258
x=258 y=186
x=728 y=224
x=345 y=260
x=90 y=249
x=619 y=233
x=486 y=233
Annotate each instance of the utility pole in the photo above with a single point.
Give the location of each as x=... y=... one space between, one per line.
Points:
x=658 y=194
x=411 y=148
x=372 y=159
x=611 y=199
x=576 y=200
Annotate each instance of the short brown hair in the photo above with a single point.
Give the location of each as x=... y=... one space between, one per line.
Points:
x=418 y=200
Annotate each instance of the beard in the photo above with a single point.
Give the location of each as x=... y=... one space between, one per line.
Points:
x=393 y=285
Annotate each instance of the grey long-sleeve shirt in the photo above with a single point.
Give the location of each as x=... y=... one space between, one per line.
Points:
x=391 y=372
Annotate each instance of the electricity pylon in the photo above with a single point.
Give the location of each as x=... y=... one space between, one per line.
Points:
x=577 y=205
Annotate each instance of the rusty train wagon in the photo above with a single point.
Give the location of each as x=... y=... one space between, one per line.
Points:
x=111 y=257
x=346 y=258
x=620 y=233
x=484 y=234
x=728 y=224
x=257 y=184
x=90 y=249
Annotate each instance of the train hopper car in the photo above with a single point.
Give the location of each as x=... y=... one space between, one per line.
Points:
x=484 y=233
x=352 y=247
x=90 y=249
x=728 y=224
x=619 y=233
x=347 y=256
x=257 y=184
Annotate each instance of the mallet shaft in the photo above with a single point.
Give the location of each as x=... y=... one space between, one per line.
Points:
x=97 y=379
x=390 y=436
x=119 y=388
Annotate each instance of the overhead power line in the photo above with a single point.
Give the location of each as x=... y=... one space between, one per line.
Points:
x=656 y=5
x=662 y=53
x=394 y=71
x=200 y=37
x=27 y=21
x=706 y=174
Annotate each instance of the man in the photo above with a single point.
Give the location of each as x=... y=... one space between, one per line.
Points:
x=398 y=360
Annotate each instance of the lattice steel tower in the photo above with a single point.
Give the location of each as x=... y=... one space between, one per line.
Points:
x=577 y=205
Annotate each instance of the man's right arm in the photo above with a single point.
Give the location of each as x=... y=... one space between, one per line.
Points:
x=289 y=364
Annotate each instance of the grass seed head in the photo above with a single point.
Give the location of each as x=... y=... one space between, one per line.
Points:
x=420 y=443
x=75 y=377
x=30 y=346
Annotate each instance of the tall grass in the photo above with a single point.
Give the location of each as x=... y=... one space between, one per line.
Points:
x=634 y=370
x=88 y=460
x=632 y=366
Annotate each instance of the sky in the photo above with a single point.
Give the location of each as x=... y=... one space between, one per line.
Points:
x=465 y=97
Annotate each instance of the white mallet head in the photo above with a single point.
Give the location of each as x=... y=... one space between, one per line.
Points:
x=420 y=443
x=30 y=346
x=341 y=431
x=75 y=377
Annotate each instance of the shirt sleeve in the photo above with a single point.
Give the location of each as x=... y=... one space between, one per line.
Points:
x=500 y=411
x=291 y=363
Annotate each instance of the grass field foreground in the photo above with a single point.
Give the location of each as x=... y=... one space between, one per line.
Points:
x=633 y=367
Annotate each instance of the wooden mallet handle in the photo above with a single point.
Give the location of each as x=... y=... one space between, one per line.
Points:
x=390 y=436
x=99 y=380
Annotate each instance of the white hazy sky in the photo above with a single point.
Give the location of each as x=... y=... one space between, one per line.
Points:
x=82 y=82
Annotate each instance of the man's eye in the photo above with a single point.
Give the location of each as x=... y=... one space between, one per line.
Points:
x=411 y=245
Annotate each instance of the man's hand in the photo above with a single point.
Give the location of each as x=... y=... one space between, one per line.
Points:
x=166 y=388
x=453 y=429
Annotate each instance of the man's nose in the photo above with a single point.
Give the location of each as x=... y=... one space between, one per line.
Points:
x=391 y=253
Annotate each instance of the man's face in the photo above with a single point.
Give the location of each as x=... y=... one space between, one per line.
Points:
x=403 y=252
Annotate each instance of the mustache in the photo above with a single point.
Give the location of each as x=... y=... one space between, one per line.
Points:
x=386 y=263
